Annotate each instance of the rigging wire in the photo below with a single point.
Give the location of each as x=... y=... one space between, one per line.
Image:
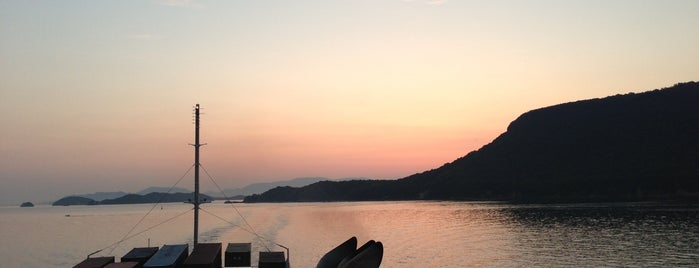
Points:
x=116 y=244
x=162 y=196
x=129 y=234
x=252 y=230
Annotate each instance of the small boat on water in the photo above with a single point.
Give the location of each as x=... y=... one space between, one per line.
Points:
x=209 y=255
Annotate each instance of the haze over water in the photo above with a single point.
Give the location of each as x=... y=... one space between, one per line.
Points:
x=414 y=234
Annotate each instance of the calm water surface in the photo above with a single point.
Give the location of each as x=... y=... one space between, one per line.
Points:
x=414 y=234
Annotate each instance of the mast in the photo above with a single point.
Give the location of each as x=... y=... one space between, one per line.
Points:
x=195 y=202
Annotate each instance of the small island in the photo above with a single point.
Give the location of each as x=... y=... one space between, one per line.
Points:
x=26 y=205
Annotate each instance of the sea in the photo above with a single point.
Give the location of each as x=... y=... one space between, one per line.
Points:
x=414 y=233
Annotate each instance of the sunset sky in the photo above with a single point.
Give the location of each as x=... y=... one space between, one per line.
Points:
x=98 y=95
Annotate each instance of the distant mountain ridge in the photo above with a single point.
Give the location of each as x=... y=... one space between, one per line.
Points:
x=155 y=198
x=157 y=189
x=99 y=196
x=133 y=199
x=261 y=187
x=129 y=198
x=74 y=201
x=628 y=147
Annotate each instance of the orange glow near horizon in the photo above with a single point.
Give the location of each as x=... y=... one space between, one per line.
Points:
x=378 y=89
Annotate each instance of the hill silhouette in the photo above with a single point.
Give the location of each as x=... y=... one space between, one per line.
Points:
x=154 y=198
x=261 y=187
x=637 y=146
x=73 y=201
x=132 y=199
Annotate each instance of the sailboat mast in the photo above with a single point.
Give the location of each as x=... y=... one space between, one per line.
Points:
x=195 y=202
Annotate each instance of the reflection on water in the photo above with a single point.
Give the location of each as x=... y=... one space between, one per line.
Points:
x=606 y=235
x=414 y=234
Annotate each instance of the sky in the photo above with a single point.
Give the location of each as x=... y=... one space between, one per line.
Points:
x=98 y=95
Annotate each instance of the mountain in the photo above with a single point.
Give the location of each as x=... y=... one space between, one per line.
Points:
x=154 y=198
x=132 y=199
x=619 y=148
x=324 y=191
x=261 y=187
x=74 y=200
x=99 y=196
x=156 y=189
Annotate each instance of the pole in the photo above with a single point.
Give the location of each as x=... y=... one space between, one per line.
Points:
x=195 y=202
